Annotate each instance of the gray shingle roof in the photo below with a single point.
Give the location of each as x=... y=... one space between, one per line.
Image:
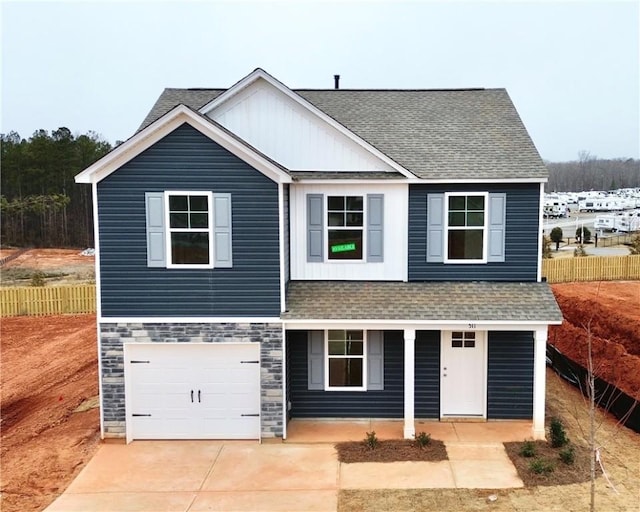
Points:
x=339 y=175
x=435 y=134
x=192 y=98
x=440 y=301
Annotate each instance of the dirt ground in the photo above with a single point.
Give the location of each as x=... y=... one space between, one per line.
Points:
x=58 y=266
x=391 y=450
x=611 y=310
x=49 y=369
x=44 y=443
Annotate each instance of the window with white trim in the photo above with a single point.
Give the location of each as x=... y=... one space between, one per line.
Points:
x=346 y=365
x=189 y=229
x=465 y=238
x=345 y=231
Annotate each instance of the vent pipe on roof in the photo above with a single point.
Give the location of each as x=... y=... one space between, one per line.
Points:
x=336 y=81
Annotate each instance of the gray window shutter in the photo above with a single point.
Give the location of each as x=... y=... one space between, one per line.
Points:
x=435 y=228
x=315 y=227
x=154 y=204
x=375 y=361
x=497 y=221
x=315 y=353
x=375 y=228
x=222 y=231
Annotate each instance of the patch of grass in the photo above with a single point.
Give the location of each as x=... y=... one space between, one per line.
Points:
x=28 y=274
x=394 y=450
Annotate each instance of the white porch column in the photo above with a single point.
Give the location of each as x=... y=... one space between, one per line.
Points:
x=539 y=381
x=409 y=383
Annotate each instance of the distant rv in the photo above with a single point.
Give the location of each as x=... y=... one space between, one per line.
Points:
x=554 y=208
x=626 y=222
x=600 y=205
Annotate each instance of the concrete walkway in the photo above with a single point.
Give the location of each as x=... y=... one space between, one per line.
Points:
x=192 y=476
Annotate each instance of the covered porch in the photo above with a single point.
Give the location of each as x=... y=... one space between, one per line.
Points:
x=451 y=359
x=337 y=431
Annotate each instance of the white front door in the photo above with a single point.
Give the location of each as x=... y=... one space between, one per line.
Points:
x=463 y=365
x=192 y=390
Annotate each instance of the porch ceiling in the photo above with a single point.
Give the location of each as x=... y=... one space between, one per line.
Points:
x=439 y=301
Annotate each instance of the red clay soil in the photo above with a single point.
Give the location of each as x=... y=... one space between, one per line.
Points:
x=48 y=259
x=49 y=368
x=611 y=311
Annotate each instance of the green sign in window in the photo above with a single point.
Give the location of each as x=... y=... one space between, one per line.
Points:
x=344 y=247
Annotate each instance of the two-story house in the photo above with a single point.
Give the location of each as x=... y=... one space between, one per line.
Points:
x=266 y=254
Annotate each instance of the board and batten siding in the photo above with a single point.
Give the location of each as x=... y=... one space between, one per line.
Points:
x=187 y=160
x=394 y=264
x=510 y=375
x=305 y=403
x=521 y=237
x=427 y=374
x=265 y=117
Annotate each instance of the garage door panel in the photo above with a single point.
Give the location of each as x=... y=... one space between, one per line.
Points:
x=165 y=428
x=233 y=428
x=149 y=403
x=225 y=375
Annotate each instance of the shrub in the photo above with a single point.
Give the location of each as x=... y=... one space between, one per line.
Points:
x=423 y=439
x=37 y=279
x=586 y=232
x=556 y=236
x=557 y=433
x=634 y=247
x=568 y=455
x=371 y=441
x=528 y=449
x=541 y=467
x=579 y=251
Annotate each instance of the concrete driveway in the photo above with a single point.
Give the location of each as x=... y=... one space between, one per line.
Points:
x=191 y=476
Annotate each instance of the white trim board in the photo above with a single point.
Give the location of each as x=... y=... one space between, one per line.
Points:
x=414 y=181
x=373 y=324
x=189 y=320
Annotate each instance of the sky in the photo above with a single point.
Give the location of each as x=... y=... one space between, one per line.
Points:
x=571 y=68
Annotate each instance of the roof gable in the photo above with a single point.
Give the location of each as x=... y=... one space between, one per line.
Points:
x=264 y=112
x=161 y=127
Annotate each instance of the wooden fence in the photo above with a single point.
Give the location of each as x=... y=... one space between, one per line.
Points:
x=59 y=300
x=591 y=268
x=45 y=300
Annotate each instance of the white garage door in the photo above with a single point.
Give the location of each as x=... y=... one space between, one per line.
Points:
x=192 y=391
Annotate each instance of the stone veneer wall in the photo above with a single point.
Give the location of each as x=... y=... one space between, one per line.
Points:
x=113 y=335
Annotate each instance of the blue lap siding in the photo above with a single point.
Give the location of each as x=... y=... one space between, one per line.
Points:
x=510 y=375
x=187 y=160
x=427 y=374
x=388 y=403
x=521 y=237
